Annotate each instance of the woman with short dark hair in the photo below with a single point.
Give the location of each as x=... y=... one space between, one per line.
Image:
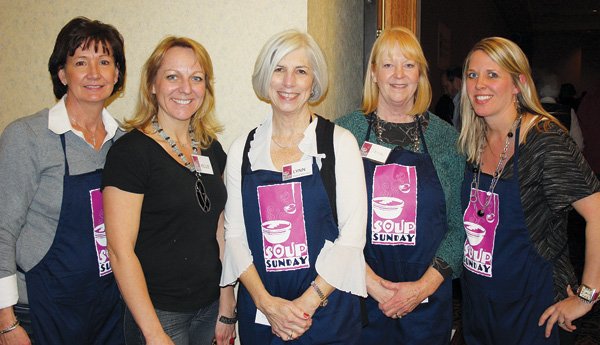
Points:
x=52 y=229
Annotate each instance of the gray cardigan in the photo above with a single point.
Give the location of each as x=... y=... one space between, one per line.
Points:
x=31 y=180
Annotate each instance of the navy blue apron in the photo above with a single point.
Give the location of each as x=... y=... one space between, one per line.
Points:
x=69 y=299
x=505 y=293
x=429 y=323
x=339 y=321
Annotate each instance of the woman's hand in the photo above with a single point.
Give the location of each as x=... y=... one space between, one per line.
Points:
x=224 y=333
x=407 y=296
x=18 y=336
x=564 y=313
x=380 y=293
x=287 y=320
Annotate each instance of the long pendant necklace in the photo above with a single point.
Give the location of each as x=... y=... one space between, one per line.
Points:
x=201 y=195
x=482 y=206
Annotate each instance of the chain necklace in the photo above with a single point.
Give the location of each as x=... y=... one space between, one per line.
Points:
x=82 y=129
x=201 y=195
x=411 y=133
x=283 y=146
x=497 y=172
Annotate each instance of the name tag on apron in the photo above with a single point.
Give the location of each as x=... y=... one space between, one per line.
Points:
x=297 y=169
x=374 y=152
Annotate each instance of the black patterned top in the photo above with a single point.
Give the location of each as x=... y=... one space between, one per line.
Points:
x=552 y=175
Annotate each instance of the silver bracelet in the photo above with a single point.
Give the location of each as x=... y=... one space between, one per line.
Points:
x=10 y=328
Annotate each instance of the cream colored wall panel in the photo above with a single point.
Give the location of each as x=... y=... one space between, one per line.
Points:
x=232 y=31
x=337 y=25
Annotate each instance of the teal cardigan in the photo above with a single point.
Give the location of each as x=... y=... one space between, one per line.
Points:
x=441 y=140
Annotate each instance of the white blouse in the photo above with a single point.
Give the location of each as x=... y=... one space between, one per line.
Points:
x=341 y=263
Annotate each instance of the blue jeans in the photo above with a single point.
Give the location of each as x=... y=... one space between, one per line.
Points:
x=184 y=328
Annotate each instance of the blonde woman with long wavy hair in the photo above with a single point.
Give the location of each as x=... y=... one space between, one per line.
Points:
x=164 y=198
x=524 y=174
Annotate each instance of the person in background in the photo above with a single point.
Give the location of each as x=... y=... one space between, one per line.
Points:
x=548 y=89
x=164 y=196
x=56 y=283
x=414 y=232
x=524 y=174
x=295 y=218
x=568 y=95
x=444 y=107
x=451 y=82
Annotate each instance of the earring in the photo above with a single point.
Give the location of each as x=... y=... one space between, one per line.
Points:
x=518 y=106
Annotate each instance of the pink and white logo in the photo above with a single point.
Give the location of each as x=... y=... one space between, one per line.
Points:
x=480 y=224
x=99 y=233
x=394 y=205
x=281 y=208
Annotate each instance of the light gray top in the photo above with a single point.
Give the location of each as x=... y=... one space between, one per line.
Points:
x=31 y=180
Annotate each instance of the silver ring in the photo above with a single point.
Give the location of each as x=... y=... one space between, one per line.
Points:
x=561 y=323
x=398 y=315
x=291 y=335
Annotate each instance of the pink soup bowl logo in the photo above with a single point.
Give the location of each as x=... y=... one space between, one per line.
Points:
x=475 y=232
x=388 y=207
x=276 y=231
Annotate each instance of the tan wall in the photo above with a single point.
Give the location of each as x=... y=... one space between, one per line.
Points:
x=232 y=31
x=337 y=25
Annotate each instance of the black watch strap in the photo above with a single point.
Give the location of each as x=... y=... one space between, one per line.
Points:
x=228 y=320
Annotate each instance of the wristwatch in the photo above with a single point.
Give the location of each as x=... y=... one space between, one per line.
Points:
x=320 y=293
x=587 y=294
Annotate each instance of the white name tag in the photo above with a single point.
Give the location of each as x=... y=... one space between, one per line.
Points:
x=375 y=152
x=202 y=164
x=297 y=169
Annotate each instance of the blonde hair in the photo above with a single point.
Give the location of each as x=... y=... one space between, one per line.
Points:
x=411 y=49
x=203 y=122
x=511 y=58
x=275 y=49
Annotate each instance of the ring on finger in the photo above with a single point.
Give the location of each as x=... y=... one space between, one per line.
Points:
x=561 y=323
x=291 y=335
x=398 y=315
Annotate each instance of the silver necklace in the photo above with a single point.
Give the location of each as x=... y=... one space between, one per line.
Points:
x=174 y=146
x=201 y=195
x=482 y=206
x=283 y=146
x=83 y=129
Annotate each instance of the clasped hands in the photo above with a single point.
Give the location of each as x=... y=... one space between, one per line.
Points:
x=398 y=299
x=289 y=319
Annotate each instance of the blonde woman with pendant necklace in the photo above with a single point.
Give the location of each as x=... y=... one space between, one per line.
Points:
x=164 y=198
x=524 y=174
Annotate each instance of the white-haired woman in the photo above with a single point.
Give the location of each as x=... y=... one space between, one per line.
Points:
x=294 y=220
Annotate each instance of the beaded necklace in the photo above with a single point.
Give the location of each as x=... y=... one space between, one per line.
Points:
x=474 y=197
x=411 y=133
x=201 y=195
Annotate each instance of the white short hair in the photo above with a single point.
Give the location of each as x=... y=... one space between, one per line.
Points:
x=276 y=48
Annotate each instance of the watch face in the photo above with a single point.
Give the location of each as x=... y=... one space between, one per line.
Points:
x=586 y=293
